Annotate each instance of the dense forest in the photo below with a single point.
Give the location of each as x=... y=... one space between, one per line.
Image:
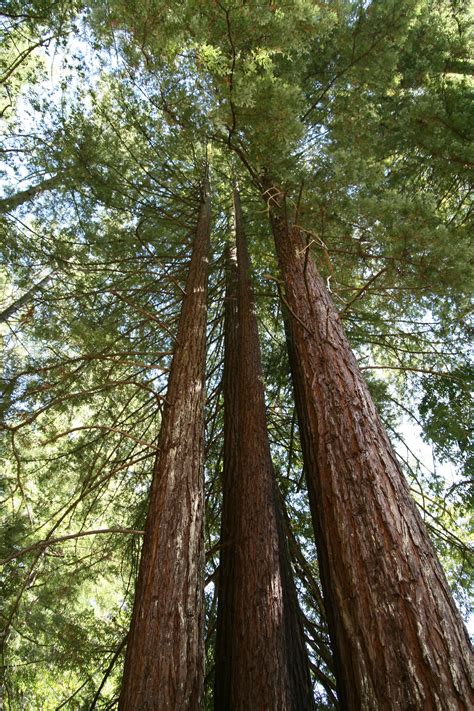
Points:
x=235 y=309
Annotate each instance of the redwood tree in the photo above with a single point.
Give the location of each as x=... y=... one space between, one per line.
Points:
x=225 y=613
x=353 y=106
x=261 y=660
x=164 y=664
x=399 y=641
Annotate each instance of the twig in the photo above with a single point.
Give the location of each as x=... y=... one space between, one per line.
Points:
x=107 y=672
x=362 y=290
x=52 y=541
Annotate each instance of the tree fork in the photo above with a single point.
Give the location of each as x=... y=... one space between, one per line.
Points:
x=399 y=641
x=164 y=663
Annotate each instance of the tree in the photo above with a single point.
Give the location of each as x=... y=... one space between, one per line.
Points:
x=351 y=121
x=390 y=614
x=13 y=201
x=23 y=300
x=258 y=614
x=164 y=664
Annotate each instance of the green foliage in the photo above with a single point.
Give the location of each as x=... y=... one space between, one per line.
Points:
x=444 y=409
x=362 y=113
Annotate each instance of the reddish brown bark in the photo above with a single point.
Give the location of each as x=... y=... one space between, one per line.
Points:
x=225 y=611
x=301 y=690
x=164 y=665
x=398 y=639
x=261 y=660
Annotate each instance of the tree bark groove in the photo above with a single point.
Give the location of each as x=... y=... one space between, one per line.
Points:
x=261 y=659
x=164 y=665
x=399 y=641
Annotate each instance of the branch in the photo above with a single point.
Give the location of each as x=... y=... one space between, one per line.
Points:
x=362 y=291
x=105 y=428
x=107 y=671
x=52 y=541
x=13 y=201
x=23 y=55
x=268 y=277
x=23 y=300
x=438 y=373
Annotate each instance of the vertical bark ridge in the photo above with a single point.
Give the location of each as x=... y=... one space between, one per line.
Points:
x=263 y=664
x=399 y=641
x=164 y=665
x=302 y=698
x=225 y=611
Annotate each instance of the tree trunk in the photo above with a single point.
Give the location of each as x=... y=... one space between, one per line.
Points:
x=399 y=641
x=23 y=300
x=261 y=659
x=225 y=588
x=13 y=201
x=164 y=665
x=301 y=690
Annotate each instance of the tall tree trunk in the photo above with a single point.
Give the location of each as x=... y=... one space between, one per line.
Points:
x=301 y=690
x=164 y=665
x=13 y=201
x=311 y=473
x=399 y=641
x=261 y=659
x=225 y=589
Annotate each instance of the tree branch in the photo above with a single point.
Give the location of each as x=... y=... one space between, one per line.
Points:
x=52 y=541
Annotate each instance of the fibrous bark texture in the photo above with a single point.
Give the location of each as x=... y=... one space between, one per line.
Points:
x=261 y=660
x=399 y=641
x=225 y=587
x=301 y=690
x=164 y=665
